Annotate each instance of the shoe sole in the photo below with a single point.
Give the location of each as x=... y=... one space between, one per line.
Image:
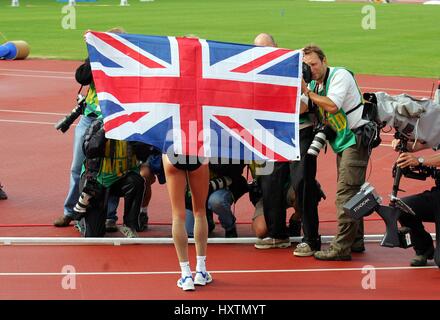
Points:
x=270 y=246
x=303 y=254
x=188 y=288
x=197 y=283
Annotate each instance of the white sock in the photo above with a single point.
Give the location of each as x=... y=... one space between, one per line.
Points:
x=201 y=263
x=186 y=270
x=144 y=210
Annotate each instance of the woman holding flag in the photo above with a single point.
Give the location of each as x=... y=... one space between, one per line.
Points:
x=178 y=174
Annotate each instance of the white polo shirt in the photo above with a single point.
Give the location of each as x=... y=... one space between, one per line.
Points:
x=343 y=91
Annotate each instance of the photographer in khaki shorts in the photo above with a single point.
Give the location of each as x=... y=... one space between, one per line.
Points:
x=336 y=97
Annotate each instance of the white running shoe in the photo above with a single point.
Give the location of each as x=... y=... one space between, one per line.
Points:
x=186 y=283
x=202 y=278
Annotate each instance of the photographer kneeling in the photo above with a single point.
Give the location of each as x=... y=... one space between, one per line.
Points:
x=426 y=206
x=113 y=168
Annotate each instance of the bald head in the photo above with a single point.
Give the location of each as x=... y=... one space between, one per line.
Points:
x=117 y=30
x=265 y=39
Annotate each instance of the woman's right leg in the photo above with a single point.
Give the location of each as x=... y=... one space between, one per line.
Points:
x=176 y=185
x=198 y=182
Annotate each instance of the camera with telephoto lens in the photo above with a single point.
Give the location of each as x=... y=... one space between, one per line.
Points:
x=322 y=133
x=64 y=124
x=80 y=207
x=92 y=188
x=307 y=73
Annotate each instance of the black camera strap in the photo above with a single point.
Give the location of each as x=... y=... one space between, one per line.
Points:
x=313 y=108
x=354 y=109
x=327 y=74
x=324 y=89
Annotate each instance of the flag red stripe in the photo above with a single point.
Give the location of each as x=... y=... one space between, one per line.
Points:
x=190 y=57
x=128 y=51
x=228 y=93
x=116 y=122
x=250 y=138
x=260 y=61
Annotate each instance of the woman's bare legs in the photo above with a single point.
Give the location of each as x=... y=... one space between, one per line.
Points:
x=198 y=182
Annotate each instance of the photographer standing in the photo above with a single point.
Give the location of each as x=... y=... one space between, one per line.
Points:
x=335 y=93
x=426 y=206
x=92 y=111
x=301 y=176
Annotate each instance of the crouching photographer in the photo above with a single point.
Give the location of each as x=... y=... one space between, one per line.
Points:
x=112 y=168
x=425 y=205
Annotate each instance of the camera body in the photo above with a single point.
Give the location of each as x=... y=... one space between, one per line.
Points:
x=64 y=124
x=322 y=134
x=307 y=72
x=366 y=201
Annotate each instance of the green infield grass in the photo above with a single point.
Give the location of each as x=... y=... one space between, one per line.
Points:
x=406 y=40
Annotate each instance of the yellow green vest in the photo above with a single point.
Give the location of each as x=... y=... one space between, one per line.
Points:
x=338 y=121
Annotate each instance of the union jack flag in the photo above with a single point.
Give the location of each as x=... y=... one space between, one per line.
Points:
x=197 y=96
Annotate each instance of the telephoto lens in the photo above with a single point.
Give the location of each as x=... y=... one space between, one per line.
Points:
x=319 y=141
x=220 y=183
x=82 y=204
x=64 y=124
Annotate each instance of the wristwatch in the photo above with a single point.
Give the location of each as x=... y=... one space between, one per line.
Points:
x=421 y=160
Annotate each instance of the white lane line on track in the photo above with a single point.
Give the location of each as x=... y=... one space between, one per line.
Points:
x=36 y=76
x=32 y=112
x=27 y=122
x=35 y=71
x=137 y=273
x=395 y=89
